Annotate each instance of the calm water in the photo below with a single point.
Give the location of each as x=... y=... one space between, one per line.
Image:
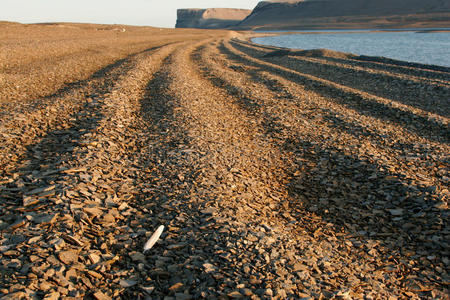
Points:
x=426 y=48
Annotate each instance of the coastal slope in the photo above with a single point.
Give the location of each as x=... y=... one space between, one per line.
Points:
x=310 y=14
x=276 y=174
x=210 y=18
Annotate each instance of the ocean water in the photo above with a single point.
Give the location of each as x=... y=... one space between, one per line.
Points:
x=425 y=48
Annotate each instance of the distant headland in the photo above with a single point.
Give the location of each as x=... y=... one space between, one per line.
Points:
x=321 y=14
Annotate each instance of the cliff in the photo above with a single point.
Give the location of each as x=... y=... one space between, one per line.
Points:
x=210 y=18
x=320 y=14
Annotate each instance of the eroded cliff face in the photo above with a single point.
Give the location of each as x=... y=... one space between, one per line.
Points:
x=210 y=18
x=347 y=14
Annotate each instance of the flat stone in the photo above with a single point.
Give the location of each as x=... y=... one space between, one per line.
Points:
x=396 y=212
x=148 y=289
x=18 y=224
x=127 y=283
x=94 y=258
x=93 y=211
x=71 y=274
x=209 y=267
x=300 y=267
x=138 y=256
x=268 y=292
x=109 y=218
x=235 y=295
x=52 y=296
x=68 y=257
x=176 y=246
x=61 y=280
x=209 y=211
x=41 y=189
x=30 y=200
x=45 y=219
x=72 y=240
x=94 y=274
x=177 y=286
x=101 y=296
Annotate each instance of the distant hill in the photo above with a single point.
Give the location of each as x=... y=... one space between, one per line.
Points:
x=8 y=23
x=319 y=14
x=210 y=18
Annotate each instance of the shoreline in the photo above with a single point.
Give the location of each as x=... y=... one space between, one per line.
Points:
x=297 y=51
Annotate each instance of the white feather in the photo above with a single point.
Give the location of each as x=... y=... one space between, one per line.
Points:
x=155 y=236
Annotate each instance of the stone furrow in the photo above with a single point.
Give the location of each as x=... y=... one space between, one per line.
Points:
x=239 y=183
x=24 y=125
x=249 y=96
x=429 y=125
x=380 y=142
x=70 y=220
x=422 y=93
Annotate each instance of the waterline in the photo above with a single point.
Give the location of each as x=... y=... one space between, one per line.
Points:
x=425 y=48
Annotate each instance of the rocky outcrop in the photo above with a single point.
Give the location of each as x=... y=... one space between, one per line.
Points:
x=309 y=14
x=210 y=18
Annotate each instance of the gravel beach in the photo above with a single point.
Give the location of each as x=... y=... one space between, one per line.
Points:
x=277 y=174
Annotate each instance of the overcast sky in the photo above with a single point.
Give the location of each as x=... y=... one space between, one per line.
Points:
x=160 y=13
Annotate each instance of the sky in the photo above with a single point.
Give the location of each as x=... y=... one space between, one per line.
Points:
x=159 y=13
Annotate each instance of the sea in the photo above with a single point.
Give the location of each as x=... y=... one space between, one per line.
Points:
x=418 y=46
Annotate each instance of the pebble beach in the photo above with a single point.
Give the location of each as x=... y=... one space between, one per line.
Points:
x=276 y=173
